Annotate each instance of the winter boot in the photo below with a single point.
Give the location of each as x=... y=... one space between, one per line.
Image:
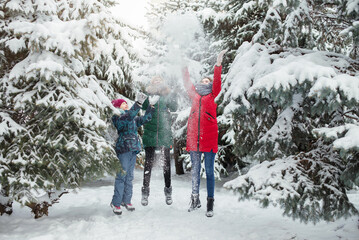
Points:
x=116 y=210
x=209 y=212
x=195 y=202
x=168 y=194
x=129 y=206
x=145 y=194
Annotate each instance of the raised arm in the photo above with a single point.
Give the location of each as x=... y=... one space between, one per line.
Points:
x=217 y=74
x=217 y=80
x=119 y=121
x=131 y=114
x=145 y=118
x=187 y=83
x=145 y=104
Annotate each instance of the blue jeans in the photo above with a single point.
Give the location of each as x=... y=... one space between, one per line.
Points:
x=123 y=181
x=196 y=171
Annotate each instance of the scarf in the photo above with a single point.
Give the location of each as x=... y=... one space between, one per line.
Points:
x=203 y=89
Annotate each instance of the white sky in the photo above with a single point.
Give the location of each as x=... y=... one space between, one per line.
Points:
x=132 y=11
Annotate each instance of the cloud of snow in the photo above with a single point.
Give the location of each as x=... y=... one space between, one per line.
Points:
x=180 y=31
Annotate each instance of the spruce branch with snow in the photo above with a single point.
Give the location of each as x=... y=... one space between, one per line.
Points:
x=306 y=186
x=349 y=12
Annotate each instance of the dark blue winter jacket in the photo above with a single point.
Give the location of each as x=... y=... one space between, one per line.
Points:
x=126 y=125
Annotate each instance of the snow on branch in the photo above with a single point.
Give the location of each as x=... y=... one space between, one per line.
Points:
x=8 y=125
x=41 y=207
x=350 y=140
x=283 y=126
x=352 y=6
x=348 y=85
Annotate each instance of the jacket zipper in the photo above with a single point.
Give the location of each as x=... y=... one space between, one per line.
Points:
x=199 y=122
x=158 y=116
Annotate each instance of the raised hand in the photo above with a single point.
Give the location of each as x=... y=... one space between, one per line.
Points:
x=141 y=98
x=220 y=57
x=153 y=99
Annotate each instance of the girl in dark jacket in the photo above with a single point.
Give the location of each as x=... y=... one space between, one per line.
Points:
x=157 y=136
x=127 y=146
x=202 y=132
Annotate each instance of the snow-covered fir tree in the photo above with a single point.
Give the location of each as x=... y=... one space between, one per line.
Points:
x=62 y=62
x=275 y=110
x=272 y=105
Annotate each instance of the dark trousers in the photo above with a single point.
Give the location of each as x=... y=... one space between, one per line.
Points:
x=165 y=163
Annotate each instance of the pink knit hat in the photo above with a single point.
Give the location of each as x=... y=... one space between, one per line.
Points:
x=117 y=102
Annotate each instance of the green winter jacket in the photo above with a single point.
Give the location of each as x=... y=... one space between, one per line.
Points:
x=158 y=131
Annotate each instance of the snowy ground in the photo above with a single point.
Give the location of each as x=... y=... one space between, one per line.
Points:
x=87 y=215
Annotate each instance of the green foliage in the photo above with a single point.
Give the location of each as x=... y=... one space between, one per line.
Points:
x=350 y=175
x=349 y=13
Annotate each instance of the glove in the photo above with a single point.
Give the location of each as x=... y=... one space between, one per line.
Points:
x=220 y=57
x=141 y=98
x=153 y=99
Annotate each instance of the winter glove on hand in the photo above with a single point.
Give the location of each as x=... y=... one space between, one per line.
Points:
x=141 y=98
x=153 y=99
x=220 y=57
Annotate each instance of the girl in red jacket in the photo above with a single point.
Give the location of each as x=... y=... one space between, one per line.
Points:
x=202 y=131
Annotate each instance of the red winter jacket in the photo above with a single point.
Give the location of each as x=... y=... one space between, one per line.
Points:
x=202 y=128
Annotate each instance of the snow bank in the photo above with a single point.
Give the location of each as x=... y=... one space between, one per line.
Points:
x=87 y=215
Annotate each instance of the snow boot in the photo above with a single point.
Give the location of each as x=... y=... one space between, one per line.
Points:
x=210 y=202
x=145 y=194
x=195 y=202
x=129 y=206
x=116 y=210
x=168 y=194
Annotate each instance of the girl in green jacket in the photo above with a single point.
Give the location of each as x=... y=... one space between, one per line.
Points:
x=158 y=136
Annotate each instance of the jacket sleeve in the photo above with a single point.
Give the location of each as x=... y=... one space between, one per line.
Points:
x=217 y=80
x=120 y=121
x=188 y=84
x=145 y=118
x=145 y=104
x=131 y=114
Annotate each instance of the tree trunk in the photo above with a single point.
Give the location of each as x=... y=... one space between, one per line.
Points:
x=5 y=203
x=6 y=209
